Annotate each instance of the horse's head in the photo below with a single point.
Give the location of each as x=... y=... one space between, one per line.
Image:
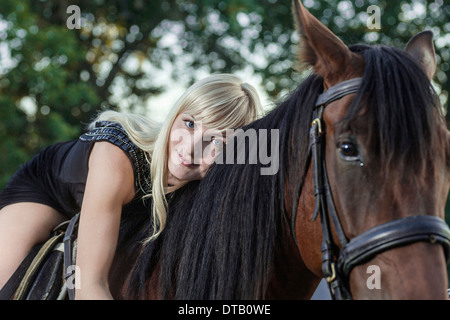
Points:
x=387 y=153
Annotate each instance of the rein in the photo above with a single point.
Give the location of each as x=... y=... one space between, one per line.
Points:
x=337 y=265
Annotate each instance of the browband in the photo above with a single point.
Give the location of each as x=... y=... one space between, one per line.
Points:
x=338 y=91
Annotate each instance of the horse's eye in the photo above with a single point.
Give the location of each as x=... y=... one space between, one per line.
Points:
x=349 y=151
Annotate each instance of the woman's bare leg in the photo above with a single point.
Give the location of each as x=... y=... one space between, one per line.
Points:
x=22 y=226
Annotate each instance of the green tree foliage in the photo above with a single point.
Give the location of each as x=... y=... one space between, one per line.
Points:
x=57 y=78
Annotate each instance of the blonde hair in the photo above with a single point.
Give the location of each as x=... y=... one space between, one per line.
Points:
x=220 y=101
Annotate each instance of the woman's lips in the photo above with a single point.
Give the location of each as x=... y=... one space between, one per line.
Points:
x=183 y=161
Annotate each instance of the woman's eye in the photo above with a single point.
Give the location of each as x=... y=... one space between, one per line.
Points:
x=216 y=142
x=349 y=151
x=190 y=124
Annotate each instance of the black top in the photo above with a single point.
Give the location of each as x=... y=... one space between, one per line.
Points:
x=57 y=175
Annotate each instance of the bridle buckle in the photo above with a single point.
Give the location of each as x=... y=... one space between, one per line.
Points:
x=318 y=122
x=332 y=277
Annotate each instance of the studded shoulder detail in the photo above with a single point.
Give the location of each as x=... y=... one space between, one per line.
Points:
x=114 y=133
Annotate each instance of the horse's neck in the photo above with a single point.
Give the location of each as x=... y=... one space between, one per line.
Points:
x=290 y=278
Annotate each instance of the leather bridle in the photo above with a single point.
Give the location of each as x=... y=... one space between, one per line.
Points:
x=337 y=264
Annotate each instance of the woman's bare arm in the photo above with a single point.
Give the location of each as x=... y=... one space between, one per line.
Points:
x=109 y=185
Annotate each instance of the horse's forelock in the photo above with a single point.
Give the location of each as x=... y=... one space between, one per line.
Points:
x=399 y=105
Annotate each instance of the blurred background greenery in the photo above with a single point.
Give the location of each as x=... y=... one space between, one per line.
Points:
x=134 y=54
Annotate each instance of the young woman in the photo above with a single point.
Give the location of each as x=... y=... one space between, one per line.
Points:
x=111 y=170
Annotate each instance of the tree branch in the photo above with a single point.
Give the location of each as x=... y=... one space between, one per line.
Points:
x=122 y=56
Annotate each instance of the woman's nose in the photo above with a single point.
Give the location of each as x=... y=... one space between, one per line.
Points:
x=197 y=147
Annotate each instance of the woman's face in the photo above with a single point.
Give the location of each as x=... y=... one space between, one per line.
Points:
x=192 y=149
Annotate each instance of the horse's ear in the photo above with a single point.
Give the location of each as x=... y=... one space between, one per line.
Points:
x=422 y=49
x=319 y=47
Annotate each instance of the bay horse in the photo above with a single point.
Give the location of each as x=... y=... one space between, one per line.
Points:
x=364 y=159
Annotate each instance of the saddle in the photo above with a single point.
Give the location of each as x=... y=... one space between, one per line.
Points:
x=48 y=271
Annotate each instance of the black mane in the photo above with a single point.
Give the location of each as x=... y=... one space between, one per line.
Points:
x=219 y=239
x=220 y=236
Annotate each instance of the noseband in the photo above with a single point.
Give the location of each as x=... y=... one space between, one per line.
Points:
x=337 y=264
